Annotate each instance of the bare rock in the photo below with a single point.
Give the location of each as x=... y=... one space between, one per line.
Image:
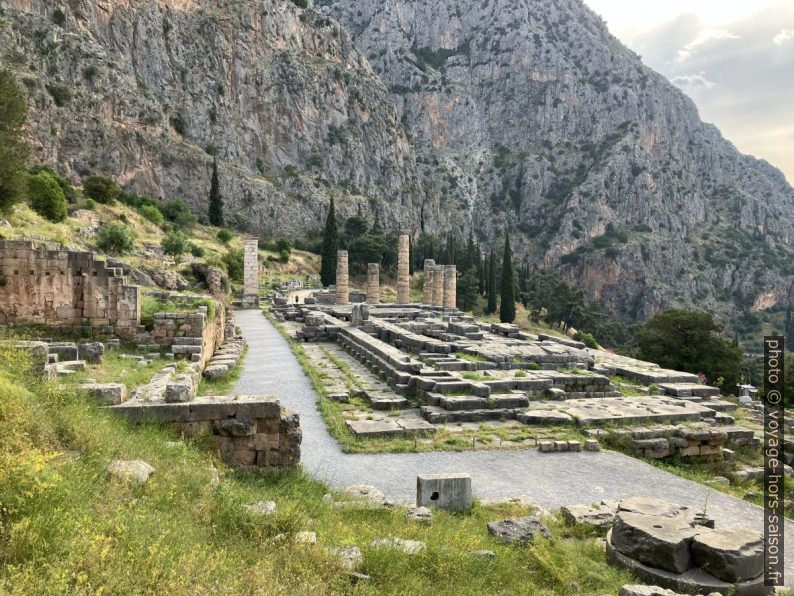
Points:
x=731 y=554
x=656 y=540
x=261 y=508
x=520 y=530
x=410 y=547
x=135 y=472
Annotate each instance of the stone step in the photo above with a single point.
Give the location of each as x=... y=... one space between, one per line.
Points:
x=436 y=415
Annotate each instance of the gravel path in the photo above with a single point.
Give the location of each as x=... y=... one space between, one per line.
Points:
x=550 y=480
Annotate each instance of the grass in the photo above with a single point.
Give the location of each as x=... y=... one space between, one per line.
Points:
x=470 y=357
x=68 y=528
x=116 y=369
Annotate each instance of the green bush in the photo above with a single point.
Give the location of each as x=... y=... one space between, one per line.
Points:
x=178 y=124
x=69 y=191
x=61 y=94
x=58 y=17
x=46 y=197
x=224 y=236
x=101 y=189
x=233 y=259
x=196 y=250
x=179 y=214
x=153 y=214
x=586 y=338
x=174 y=243
x=115 y=238
x=301 y=3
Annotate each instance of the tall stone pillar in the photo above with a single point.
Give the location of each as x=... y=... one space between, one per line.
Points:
x=438 y=285
x=403 y=269
x=450 y=286
x=342 y=281
x=427 y=288
x=251 y=273
x=373 y=283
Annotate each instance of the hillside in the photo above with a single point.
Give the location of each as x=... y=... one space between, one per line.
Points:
x=439 y=117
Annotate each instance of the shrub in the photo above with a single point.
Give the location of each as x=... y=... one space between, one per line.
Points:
x=178 y=213
x=224 y=235
x=115 y=238
x=178 y=124
x=69 y=191
x=196 y=250
x=586 y=338
x=301 y=3
x=58 y=17
x=46 y=197
x=61 y=94
x=174 y=243
x=101 y=189
x=233 y=259
x=152 y=213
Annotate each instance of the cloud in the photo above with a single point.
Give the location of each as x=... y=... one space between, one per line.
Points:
x=783 y=36
x=693 y=84
x=705 y=37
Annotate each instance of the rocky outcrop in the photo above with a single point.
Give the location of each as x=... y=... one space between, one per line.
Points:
x=438 y=116
x=530 y=115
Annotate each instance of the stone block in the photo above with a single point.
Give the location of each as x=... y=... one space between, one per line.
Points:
x=108 y=394
x=451 y=492
x=520 y=530
x=730 y=554
x=656 y=540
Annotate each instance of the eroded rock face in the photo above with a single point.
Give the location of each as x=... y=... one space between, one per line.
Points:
x=531 y=115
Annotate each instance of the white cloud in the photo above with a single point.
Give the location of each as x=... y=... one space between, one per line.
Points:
x=783 y=36
x=693 y=84
x=703 y=38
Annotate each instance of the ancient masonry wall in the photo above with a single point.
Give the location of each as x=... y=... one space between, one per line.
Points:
x=251 y=273
x=373 y=283
x=342 y=279
x=192 y=336
x=64 y=288
x=403 y=269
x=249 y=431
x=427 y=288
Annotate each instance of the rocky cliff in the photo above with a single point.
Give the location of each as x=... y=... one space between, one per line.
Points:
x=151 y=91
x=440 y=116
x=528 y=114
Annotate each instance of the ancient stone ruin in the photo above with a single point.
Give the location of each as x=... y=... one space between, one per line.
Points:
x=251 y=273
x=342 y=279
x=64 y=288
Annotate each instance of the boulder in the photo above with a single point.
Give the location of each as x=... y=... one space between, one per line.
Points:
x=216 y=371
x=261 y=508
x=92 y=352
x=641 y=590
x=410 y=547
x=349 y=557
x=109 y=394
x=657 y=540
x=731 y=554
x=365 y=492
x=136 y=471
x=599 y=515
x=306 y=537
x=520 y=530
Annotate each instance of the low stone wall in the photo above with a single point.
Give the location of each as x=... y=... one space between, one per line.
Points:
x=249 y=431
x=192 y=336
x=64 y=288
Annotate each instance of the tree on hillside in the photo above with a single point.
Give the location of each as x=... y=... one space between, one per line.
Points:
x=467 y=289
x=692 y=342
x=46 y=197
x=330 y=247
x=507 y=305
x=491 y=285
x=216 y=202
x=13 y=148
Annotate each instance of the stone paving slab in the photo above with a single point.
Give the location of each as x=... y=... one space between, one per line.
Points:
x=550 y=480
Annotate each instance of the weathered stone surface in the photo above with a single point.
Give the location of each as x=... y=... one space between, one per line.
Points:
x=409 y=547
x=235 y=427
x=642 y=590
x=520 y=530
x=419 y=514
x=657 y=540
x=92 y=352
x=306 y=537
x=136 y=472
x=365 y=492
x=216 y=371
x=107 y=393
x=261 y=508
x=600 y=515
x=444 y=491
x=350 y=557
x=731 y=554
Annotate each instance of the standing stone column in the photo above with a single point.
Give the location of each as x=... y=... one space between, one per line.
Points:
x=427 y=288
x=438 y=285
x=342 y=282
x=403 y=269
x=450 y=286
x=251 y=273
x=373 y=283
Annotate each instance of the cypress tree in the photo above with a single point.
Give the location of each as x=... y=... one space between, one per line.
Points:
x=216 y=202
x=507 y=305
x=491 y=308
x=330 y=246
x=13 y=147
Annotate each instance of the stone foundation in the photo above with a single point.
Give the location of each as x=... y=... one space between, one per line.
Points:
x=63 y=288
x=249 y=431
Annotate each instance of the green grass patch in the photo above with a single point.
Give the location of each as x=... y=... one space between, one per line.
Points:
x=224 y=385
x=470 y=357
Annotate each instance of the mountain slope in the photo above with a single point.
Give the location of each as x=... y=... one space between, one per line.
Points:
x=151 y=91
x=528 y=113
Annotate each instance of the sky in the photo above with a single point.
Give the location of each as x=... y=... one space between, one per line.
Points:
x=734 y=58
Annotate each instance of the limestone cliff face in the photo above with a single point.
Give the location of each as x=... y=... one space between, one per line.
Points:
x=528 y=114
x=280 y=95
x=438 y=115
